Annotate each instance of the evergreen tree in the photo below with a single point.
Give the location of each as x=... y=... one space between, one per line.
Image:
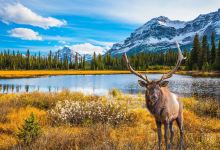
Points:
x=84 y=62
x=213 y=50
x=39 y=60
x=28 y=60
x=99 y=62
x=50 y=60
x=30 y=130
x=217 y=58
x=65 y=62
x=205 y=49
x=94 y=62
x=76 y=61
x=194 y=53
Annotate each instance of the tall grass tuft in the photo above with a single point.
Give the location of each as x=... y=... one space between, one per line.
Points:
x=207 y=107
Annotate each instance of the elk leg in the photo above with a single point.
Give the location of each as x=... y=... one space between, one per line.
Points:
x=171 y=134
x=179 y=121
x=159 y=133
x=166 y=132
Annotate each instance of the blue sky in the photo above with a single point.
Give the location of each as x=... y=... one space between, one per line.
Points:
x=85 y=25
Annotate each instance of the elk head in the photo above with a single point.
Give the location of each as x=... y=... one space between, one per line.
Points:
x=153 y=87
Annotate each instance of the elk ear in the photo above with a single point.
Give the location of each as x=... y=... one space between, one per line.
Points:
x=142 y=83
x=164 y=83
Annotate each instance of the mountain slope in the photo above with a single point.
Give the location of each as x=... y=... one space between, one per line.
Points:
x=68 y=53
x=159 y=34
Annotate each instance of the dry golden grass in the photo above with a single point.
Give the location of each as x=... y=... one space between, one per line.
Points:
x=15 y=119
x=39 y=73
x=6 y=141
x=202 y=130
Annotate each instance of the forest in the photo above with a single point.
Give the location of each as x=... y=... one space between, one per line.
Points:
x=203 y=56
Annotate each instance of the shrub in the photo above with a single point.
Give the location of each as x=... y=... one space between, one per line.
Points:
x=205 y=67
x=81 y=112
x=30 y=130
x=115 y=92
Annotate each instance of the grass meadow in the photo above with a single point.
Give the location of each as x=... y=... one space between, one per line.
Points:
x=70 y=120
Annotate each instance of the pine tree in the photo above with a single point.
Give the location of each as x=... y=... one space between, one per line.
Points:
x=94 y=62
x=205 y=49
x=99 y=62
x=28 y=60
x=66 y=63
x=84 y=62
x=50 y=60
x=76 y=61
x=30 y=130
x=213 y=50
x=217 y=58
x=194 y=53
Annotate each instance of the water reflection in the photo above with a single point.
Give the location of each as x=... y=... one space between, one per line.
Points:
x=101 y=84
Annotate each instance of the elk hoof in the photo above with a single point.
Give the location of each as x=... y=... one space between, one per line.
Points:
x=169 y=146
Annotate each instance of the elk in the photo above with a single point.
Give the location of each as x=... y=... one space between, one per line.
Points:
x=162 y=104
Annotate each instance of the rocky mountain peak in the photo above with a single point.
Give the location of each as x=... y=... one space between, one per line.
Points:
x=160 y=33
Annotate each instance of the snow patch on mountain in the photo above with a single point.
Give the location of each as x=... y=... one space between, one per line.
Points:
x=174 y=24
x=161 y=33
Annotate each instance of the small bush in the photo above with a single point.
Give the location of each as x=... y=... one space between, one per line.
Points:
x=81 y=112
x=30 y=130
x=205 y=67
x=115 y=92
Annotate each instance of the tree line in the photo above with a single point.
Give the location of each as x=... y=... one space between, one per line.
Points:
x=18 y=61
x=201 y=57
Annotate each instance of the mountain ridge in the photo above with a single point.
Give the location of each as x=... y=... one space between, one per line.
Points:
x=160 y=34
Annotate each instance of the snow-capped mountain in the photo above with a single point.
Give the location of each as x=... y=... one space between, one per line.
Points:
x=68 y=53
x=85 y=49
x=159 y=34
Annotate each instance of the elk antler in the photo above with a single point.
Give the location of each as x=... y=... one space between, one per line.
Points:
x=179 y=60
x=133 y=71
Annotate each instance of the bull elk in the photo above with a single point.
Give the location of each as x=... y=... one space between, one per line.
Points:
x=162 y=104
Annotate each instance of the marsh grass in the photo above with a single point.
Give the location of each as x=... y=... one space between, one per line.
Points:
x=202 y=124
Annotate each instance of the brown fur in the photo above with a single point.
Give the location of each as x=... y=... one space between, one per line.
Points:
x=166 y=108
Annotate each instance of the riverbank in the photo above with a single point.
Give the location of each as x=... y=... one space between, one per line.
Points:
x=38 y=73
x=125 y=123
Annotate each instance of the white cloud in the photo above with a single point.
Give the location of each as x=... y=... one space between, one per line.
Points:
x=25 y=34
x=132 y=11
x=58 y=38
x=88 y=48
x=107 y=45
x=62 y=42
x=18 y=13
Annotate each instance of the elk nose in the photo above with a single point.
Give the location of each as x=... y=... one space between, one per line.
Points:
x=153 y=97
